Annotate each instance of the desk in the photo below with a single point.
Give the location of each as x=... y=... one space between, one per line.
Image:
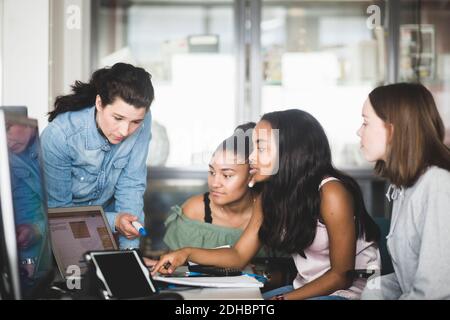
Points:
x=201 y=293
x=219 y=293
x=188 y=293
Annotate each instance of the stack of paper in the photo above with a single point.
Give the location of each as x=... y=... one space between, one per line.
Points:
x=243 y=281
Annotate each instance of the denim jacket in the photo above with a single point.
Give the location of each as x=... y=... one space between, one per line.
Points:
x=83 y=168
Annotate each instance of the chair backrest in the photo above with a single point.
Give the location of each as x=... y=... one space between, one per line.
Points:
x=280 y=270
x=386 y=262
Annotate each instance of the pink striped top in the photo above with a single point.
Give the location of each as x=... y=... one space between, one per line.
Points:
x=318 y=260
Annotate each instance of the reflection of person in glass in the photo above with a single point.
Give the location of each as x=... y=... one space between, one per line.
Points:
x=27 y=194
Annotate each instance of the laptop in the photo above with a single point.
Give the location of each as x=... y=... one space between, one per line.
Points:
x=76 y=230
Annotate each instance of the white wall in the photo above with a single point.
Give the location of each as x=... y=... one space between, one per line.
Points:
x=43 y=50
x=24 y=53
x=1 y=49
x=70 y=30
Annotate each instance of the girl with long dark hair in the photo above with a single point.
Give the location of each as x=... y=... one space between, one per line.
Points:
x=307 y=209
x=95 y=146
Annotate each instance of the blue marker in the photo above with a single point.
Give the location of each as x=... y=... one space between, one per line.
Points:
x=139 y=228
x=198 y=274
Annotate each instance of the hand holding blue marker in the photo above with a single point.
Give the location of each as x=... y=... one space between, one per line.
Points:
x=139 y=228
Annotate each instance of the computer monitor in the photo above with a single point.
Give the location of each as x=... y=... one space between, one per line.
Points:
x=18 y=110
x=26 y=259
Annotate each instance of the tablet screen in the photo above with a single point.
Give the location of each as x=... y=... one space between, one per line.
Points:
x=124 y=274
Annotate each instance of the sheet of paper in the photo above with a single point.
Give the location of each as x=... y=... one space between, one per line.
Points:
x=242 y=281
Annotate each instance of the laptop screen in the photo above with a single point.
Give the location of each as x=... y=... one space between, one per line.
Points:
x=74 y=231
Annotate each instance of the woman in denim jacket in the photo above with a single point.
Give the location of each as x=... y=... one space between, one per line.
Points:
x=95 y=146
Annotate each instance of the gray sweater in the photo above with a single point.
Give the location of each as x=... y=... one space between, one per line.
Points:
x=418 y=242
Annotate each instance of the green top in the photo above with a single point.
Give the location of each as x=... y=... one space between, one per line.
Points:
x=182 y=231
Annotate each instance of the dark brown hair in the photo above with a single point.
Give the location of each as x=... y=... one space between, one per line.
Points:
x=132 y=84
x=240 y=142
x=418 y=132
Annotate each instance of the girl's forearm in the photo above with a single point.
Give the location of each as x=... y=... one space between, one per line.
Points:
x=223 y=257
x=325 y=285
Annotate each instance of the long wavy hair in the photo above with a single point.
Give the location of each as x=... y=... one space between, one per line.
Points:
x=132 y=84
x=291 y=197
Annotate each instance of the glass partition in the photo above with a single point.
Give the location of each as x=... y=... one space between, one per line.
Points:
x=424 y=53
x=188 y=47
x=324 y=57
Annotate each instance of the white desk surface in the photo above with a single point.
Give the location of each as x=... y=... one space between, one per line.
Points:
x=220 y=294
x=190 y=293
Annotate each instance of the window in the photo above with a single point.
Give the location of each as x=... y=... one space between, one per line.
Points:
x=425 y=50
x=188 y=47
x=323 y=58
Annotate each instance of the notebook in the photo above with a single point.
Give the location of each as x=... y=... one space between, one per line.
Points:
x=242 y=281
